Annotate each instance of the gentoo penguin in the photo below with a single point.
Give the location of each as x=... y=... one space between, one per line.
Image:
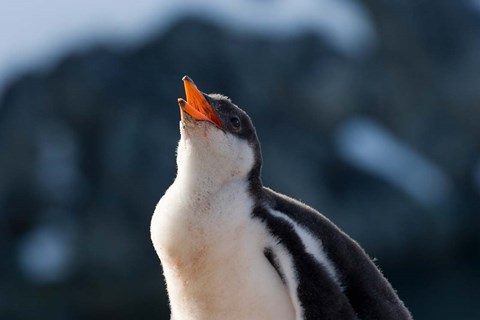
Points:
x=231 y=248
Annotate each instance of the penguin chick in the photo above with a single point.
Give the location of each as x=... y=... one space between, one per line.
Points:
x=231 y=248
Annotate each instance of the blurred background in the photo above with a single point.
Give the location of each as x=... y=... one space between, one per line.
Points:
x=368 y=110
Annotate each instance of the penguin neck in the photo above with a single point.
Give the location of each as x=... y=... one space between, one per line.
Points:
x=195 y=176
x=203 y=174
x=202 y=182
x=201 y=168
x=255 y=182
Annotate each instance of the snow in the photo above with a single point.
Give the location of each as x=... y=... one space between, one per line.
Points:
x=45 y=254
x=343 y=22
x=36 y=34
x=367 y=145
x=475 y=4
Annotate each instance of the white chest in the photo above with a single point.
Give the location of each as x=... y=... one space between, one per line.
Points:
x=212 y=256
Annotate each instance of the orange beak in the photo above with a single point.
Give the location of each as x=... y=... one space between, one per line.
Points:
x=196 y=105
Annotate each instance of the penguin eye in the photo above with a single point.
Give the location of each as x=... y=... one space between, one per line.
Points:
x=235 y=121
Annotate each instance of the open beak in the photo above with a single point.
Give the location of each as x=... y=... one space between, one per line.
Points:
x=196 y=105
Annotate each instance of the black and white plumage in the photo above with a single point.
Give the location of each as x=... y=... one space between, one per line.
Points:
x=232 y=249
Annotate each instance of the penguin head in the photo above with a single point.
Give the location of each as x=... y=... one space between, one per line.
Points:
x=218 y=138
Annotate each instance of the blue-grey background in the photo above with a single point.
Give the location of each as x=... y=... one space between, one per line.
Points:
x=368 y=110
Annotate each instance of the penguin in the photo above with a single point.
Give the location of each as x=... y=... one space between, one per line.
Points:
x=231 y=248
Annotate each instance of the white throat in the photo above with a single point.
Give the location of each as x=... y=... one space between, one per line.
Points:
x=208 y=158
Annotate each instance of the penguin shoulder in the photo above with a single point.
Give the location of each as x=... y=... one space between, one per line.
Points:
x=362 y=283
